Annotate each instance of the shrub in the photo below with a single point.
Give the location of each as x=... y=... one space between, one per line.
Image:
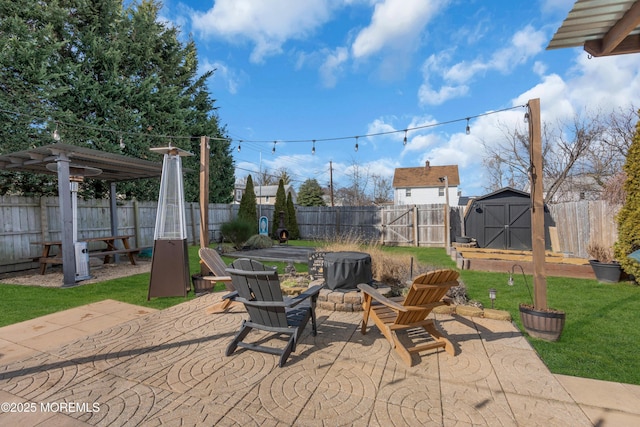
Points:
x=629 y=216
x=248 y=205
x=237 y=232
x=599 y=252
x=259 y=241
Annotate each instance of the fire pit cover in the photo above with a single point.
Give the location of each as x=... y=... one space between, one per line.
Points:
x=345 y=270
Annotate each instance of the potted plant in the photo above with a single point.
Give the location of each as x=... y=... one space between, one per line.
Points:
x=604 y=266
x=546 y=324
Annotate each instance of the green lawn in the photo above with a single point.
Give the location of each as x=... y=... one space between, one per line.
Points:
x=600 y=338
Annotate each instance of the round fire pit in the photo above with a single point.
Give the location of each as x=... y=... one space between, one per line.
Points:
x=344 y=270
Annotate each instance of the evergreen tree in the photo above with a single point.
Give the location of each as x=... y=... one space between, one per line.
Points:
x=629 y=216
x=110 y=78
x=292 y=225
x=248 y=210
x=280 y=206
x=310 y=193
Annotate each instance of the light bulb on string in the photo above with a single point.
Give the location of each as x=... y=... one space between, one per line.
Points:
x=239 y=142
x=56 y=134
x=313 y=149
x=468 y=130
x=404 y=142
x=273 y=150
x=526 y=117
x=356 y=147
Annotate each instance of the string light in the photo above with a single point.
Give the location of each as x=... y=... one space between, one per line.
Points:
x=56 y=134
x=526 y=116
x=273 y=151
x=356 y=147
x=404 y=142
x=313 y=150
x=239 y=142
x=468 y=130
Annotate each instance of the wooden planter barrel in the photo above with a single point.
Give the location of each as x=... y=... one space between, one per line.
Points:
x=546 y=325
x=201 y=285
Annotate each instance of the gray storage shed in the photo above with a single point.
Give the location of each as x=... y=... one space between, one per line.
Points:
x=502 y=220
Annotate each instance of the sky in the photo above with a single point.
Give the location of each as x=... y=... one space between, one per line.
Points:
x=341 y=72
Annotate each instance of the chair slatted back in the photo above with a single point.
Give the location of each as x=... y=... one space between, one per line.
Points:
x=427 y=289
x=255 y=282
x=212 y=260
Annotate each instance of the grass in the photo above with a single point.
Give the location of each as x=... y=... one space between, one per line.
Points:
x=599 y=341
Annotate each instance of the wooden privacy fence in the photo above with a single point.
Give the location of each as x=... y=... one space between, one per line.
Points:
x=26 y=220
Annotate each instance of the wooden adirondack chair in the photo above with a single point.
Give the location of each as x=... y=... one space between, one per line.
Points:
x=391 y=315
x=261 y=295
x=211 y=259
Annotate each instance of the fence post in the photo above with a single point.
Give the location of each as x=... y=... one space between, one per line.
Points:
x=415 y=225
x=44 y=219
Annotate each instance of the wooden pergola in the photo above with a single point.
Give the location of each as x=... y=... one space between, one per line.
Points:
x=603 y=28
x=66 y=160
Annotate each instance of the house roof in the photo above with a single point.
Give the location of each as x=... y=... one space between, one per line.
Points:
x=271 y=190
x=604 y=28
x=425 y=176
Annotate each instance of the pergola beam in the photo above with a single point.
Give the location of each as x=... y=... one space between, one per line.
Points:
x=617 y=40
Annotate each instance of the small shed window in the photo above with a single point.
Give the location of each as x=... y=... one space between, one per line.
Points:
x=441 y=191
x=407 y=192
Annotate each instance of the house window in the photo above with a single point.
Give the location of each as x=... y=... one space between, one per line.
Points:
x=441 y=191
x=238 y=195
x=407 y=192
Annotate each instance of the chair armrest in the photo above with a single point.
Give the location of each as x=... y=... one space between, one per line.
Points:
x=311 y=292
x=381 y=298
x=231 y=295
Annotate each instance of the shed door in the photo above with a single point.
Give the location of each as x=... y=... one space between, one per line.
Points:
x=507 y=226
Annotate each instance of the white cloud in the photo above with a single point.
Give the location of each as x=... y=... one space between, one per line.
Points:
x=268 y=24
x=333 y=66
x=222 y=73
x=524 y=44
x=395 y=23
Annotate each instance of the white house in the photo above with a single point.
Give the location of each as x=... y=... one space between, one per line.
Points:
x=426 y=185
x=265 y=194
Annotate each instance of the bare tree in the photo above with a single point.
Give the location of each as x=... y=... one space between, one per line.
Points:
x=382 y=189
x=355 y=194
x=580 y=156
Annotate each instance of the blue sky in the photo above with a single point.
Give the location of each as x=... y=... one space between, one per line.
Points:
x=294 y=71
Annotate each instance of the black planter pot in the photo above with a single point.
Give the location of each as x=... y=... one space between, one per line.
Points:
x=546 y=325
x=606 y=272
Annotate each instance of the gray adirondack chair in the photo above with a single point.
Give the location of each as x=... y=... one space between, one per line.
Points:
x=260 y=293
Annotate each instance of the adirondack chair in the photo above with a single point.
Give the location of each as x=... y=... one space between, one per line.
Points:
x=393 y=314
x=211 y=259
x=260 y=293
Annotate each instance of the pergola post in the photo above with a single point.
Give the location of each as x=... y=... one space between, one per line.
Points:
x=66 y=221
x=537 y=207
x=113 y=207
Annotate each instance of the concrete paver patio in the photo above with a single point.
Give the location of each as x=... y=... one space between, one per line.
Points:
x=146 y=367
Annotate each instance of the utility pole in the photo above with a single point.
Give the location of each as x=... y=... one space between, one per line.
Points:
x=331 y=180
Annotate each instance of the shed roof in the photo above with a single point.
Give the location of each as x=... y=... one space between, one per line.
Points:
x=114 y=167
x=425 y=176
x=603 y=27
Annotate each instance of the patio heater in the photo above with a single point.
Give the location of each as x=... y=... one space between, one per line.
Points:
x=77 y=173
x=170 y=262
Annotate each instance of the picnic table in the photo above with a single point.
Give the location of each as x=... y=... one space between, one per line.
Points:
x=106 y=252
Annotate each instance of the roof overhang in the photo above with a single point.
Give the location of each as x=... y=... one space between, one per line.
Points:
x=114 y=167
x=602 y=27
